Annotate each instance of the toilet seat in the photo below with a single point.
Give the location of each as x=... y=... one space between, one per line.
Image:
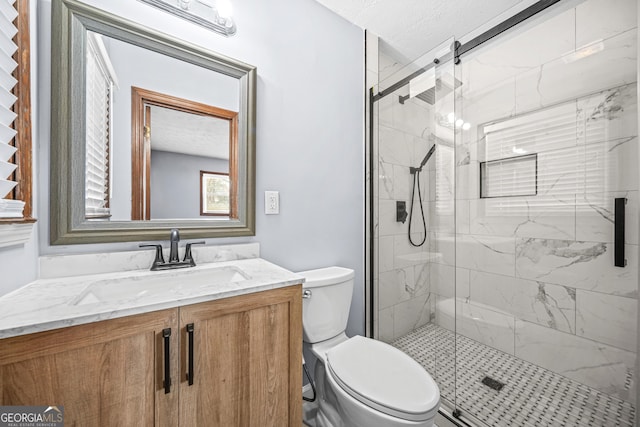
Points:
x=384 y=378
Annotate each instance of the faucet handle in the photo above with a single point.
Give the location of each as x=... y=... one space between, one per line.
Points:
x=187 y=253
x=159 y=257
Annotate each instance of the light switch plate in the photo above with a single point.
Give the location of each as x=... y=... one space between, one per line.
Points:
x=271 y=202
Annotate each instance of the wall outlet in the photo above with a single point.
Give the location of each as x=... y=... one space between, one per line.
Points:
x=271 y=202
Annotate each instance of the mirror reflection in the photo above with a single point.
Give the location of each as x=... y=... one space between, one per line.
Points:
x=183 y=143
x=148 y=133
x=157 y=139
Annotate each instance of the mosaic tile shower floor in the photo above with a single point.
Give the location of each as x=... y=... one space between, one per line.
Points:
x=532 y=396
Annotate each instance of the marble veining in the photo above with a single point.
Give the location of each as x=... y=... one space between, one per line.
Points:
x=593 y=363
x=582 y=265
x=616 y=144
x=411 y=314
x=52 y=266
x=551 y=305
x=608 y=108
x=534 y=249
x=385 y=179
x=49 y=303
x=608 y=319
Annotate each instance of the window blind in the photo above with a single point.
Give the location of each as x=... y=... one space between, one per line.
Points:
x=9 y=208
x=565 y=173
x=99 y=90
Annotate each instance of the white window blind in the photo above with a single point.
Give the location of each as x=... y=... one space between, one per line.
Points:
x=100 y=81
x=565 y=173
x=8 y=208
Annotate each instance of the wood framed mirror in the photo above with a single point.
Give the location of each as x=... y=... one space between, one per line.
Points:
x=186 y=136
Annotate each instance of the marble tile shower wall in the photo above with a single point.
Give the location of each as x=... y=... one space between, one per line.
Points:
x=403 y=293
x=534 y=275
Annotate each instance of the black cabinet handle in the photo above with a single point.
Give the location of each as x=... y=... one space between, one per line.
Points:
x=618 y=246
x=166 y=334
x=190 y=372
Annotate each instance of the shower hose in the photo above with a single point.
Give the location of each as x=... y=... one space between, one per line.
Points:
x=416 y=178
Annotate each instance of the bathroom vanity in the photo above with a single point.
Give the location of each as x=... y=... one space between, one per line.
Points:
x=226 y=354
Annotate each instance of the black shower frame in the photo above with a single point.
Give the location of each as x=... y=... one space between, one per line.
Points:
x=458 y=50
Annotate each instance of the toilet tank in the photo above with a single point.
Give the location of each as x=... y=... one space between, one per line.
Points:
x=325 y=308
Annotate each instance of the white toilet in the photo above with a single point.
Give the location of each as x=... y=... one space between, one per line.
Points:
x=360 y=382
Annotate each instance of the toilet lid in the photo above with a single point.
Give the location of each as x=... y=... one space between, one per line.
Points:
x=384 y=378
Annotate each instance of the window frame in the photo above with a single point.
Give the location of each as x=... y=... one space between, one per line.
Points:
x=23 y=157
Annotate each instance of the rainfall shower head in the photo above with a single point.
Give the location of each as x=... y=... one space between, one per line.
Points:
x=429 y=95
x=413 y=170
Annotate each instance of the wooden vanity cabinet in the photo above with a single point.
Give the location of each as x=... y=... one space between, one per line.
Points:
x=106 y=373
x=247 y=361
x=246 y=366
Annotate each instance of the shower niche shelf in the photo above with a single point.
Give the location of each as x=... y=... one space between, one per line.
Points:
x=509 y=177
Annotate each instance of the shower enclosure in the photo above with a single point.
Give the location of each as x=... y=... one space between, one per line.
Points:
x=522 y=300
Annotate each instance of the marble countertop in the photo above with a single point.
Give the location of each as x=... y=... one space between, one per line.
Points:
x=53 y=303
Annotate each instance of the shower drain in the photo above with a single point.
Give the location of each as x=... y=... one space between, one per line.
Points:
x=491 y=383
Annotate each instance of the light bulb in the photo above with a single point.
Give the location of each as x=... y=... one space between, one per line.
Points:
x=459 y=123
x=466 y=126
x=451 y=117
x=224 y=8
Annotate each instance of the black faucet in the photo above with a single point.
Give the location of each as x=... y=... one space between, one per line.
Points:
x=175 y=239
x=174 y=259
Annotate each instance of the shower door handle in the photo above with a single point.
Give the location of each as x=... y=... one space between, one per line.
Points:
x=619 y=220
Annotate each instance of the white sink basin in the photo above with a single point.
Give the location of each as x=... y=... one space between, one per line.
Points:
x=171 y=282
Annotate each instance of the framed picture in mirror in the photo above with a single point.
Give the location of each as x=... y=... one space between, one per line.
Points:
x=214 y=194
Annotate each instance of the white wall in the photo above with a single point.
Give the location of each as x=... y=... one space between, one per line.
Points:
x=175 y=183
x=310 y=144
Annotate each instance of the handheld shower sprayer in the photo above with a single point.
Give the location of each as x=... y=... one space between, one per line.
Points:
x=416 y=178
x=413 y=170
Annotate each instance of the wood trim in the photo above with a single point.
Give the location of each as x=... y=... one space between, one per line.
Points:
x=246 y=302
x=22 y=123
x=17 y=220
x=143 y=97
x=137 y=156
x=147 y=162
x=295 y=355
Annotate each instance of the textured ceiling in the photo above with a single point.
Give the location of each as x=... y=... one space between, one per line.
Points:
x=178 y=132
x=410 y=28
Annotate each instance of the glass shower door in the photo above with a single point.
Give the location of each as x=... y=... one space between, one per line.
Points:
x=546 y=320
x=414 y=213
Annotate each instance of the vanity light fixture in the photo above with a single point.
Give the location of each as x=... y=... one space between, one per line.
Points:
x=215 y=15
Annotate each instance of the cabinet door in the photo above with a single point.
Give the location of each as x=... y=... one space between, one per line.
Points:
x=246 y=361
x=107 y=373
